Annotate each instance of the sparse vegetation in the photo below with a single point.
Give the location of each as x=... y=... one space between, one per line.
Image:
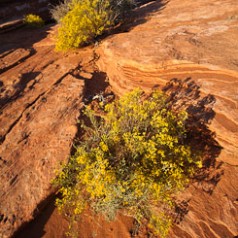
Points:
x=86 y=19
x=60 y=10
x=33 y=20
x=132 y=160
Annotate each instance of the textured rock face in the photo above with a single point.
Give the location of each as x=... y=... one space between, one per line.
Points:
x=40 y=100
x=196 y=39
x=181 y=39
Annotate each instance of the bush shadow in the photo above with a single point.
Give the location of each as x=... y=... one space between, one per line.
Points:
x=18 y=88
x=23 y=37
x=97 y=89
x=12 y=47
x=16 y=47
x=143 y=10
x=186 y=95
x=36 y=227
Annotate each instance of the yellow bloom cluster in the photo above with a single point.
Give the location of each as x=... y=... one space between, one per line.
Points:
x=133 y=159
x=86 y=20
x=33 y=20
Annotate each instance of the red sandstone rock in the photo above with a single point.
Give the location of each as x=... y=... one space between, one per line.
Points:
x=181 y=39
x=41 y=98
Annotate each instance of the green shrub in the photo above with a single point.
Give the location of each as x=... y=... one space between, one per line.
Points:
x=132 y=160
x=33 y=20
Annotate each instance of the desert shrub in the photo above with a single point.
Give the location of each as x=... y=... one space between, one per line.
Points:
x=33 y=20
x=60 y=10
x=86 y=19
x=119 y=8
x=83 y=23
x=133 y=159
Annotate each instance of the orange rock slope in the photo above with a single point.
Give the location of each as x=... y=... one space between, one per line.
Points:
x=197 y=39
x=40 y=98
x=180 y=39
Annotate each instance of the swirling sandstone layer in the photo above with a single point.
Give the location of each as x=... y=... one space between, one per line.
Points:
x=40 y=98
x=180 y=39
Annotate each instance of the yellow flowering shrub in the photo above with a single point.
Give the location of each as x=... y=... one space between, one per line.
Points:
x=85 y=20
x=81 y=21
x=134 y=159
x=33 y=20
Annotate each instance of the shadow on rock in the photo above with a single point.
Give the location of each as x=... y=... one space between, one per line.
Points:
x=186 y=95
x=145 y=8
x=180 y=210
x=24 y=38
x=97 y=92
x=138 y=16
x=24 y=81
x=36 y=227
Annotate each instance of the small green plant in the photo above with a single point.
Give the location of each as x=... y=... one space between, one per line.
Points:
x=132 y=160
x=33 y=20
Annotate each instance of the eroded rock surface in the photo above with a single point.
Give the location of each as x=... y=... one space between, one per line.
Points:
x=196 y=39
x=40 y=100
x=180 y=39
